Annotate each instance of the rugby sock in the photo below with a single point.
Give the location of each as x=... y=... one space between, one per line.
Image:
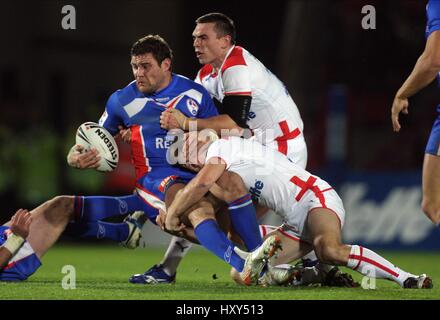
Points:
x=177 y=249
x=96 y=208
x=244 y=221
x=212 y=238
x=373 y=265
x=98 y=230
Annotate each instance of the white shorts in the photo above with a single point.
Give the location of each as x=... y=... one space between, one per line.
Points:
x=296 y=150
x=295 y=225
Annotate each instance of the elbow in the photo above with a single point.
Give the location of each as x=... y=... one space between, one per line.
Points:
x=432 y=62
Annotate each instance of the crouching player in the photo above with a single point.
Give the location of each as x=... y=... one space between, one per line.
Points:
x=312 y=211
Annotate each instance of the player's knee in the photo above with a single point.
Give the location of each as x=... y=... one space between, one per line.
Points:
x=233 y=186
x=202 y=212
x=329 y=252
x=61 y=207
x=431 y=210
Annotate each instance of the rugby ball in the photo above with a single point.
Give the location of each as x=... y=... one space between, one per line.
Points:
x=91 y=135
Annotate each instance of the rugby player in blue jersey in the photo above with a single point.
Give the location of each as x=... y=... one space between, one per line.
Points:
x=425 y=71
x=134 y=112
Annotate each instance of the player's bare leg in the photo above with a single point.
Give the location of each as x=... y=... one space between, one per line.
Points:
x=325 y=232
x=431 y=188
x=48 y=222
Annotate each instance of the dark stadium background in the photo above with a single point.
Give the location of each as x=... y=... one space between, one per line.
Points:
x=52 y=80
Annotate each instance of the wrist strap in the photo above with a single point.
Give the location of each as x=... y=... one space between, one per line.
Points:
x=14 y=243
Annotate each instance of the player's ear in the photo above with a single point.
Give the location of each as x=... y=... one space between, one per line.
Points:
x=166 y=64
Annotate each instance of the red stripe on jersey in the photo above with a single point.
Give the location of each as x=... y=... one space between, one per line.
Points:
x=235 y=58
x=173 y=102
x=206 y=70
x=244 y=93
x=138 y=152
x=287 y=135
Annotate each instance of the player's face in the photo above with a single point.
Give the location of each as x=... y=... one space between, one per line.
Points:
x=209 y=48
x=149 y=75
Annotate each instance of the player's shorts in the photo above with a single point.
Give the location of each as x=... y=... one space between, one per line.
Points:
x=22 y=265
x=152 y=187
x=433 y=145
x=295 y=225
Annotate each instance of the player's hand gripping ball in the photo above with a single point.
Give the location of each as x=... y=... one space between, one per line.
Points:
x=91 y=135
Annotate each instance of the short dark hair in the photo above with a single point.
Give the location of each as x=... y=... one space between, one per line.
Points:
x=224 y=26
x=153 y=44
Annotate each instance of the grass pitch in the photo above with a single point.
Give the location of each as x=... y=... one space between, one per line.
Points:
x=102 y=273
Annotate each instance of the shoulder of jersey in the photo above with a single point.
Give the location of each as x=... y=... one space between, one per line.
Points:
x=128 y=93
x=235 y=58
x=187 y=86
x=206 y=70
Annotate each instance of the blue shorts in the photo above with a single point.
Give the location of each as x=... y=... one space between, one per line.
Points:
x=151 y=188
x=22 y=265
x=433 y=144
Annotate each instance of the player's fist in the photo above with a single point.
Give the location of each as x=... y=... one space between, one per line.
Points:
x=173 y=119
x=399 y=105
x=80 y=158
x=20 y=223
x=173 y=224
x=125 y=134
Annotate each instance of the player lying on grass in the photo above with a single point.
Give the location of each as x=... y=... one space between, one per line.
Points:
x=312 y=211
x=28 y=235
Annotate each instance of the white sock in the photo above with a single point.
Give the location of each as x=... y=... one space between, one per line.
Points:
x=373 y=265
x=177 y=249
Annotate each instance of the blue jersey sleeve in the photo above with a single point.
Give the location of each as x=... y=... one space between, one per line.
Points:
x=433 y=13
x=207 y=107
x=111 y=118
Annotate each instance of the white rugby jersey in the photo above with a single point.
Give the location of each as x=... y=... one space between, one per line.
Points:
x=271 y=178
x=271 y=108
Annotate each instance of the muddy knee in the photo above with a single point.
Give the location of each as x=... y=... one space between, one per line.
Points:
x=59 y=209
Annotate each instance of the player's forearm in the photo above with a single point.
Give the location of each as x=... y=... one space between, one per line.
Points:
x=217 y=123
x=424 y=72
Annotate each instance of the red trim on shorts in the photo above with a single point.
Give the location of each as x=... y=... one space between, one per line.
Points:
x=244 y=93
x=289 y=235
x=331 y=211
x=287 y=135
x=146 y=191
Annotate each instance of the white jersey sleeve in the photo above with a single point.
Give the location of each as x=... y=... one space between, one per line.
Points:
x=236 y=80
